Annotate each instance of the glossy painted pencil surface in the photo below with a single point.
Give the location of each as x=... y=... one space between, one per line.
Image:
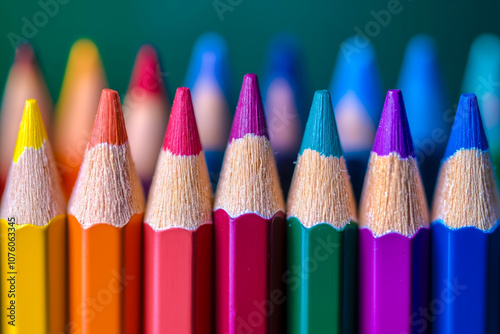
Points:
x=105 y=215
x=428 y=117
x=33 y=235
x=84 y=79
x=356 y=89
x=146 y=107
x=394 y=232
x=209 y=78
x=178 y=232
x=321 y=233
x=284 y=99
x=465 y=238
x=249 y=224
x=24 y=81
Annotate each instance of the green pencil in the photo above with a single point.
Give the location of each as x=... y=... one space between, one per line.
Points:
x=321 y=232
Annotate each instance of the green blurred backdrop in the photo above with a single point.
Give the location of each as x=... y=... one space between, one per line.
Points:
x=120 y=27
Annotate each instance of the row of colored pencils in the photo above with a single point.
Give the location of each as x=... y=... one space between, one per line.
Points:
x=250 y=266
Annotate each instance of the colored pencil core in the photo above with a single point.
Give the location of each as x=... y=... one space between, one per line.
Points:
x=31 y=130
x=109 y=125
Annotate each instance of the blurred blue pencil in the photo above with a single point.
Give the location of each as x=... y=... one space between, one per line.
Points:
x=420 y=76
x=208 y=77
x=482 y=77
x=284 y=99
x=357 y=96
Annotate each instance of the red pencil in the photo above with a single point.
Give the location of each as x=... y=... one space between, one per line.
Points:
x=178 y=232
x=249 y=226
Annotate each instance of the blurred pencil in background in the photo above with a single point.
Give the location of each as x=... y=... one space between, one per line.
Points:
x=357 y=98
x=178 y=232
x=284 y=99
x=209 y=77
x=249 y=226
x=482 y=77
x=420 y=77
x=146 y=107
x=84 y=79
x=393 y=235
x=321 y=211
x=105 y=215
x=465 y=235
x=24 y=81
x=33 y=235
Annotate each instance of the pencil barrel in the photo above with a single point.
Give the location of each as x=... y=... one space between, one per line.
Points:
x=315 y=278
x=105 y=277
x=33 y=277
x=464 y=264
x=249 y=258
x=393 y=281
x=178 y=280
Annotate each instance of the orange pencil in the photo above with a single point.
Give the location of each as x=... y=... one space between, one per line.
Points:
x=25 y=81
x=146 y=108
x=83 y=82
x=105 y=214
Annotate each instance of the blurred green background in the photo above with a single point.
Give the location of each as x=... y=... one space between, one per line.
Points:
x=120 y=27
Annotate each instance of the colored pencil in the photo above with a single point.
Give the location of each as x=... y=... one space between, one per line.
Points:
x=178 y=232
x=84 y=79
x=420 y=75
x=482 y=75
x=146 y=107
x=357 y=96
x=24 y=81
x=33 y=235
x=286 y=113
x=249 y=226
x=209 y=78
x=465 y=240
x=105 y=214
x=393 y=235
x=321 y=232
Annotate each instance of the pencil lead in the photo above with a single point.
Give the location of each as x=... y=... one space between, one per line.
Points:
x=109 y=125
x=24 y=54
x=182 y=136
x=467 y=131
x=321 y=133
x=393 y=134
x=32 y=132
x=146 y=74
x=249 y=116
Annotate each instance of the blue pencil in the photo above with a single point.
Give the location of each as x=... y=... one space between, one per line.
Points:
x=465 y=238
x=284 y=99
x=357 y=97
x=430 y=123
x=482 y=77
x=208 y=77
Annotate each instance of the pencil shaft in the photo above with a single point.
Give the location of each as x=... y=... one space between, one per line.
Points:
x=105 y=277
x=33 y=276
x=177 y=280
x=460 y=269
x=249 y=257
x=393 y=281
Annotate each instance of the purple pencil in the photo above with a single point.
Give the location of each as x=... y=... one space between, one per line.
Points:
x=394 y=230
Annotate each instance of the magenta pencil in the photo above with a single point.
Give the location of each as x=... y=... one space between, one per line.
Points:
x=249 y=226
x=393 y=229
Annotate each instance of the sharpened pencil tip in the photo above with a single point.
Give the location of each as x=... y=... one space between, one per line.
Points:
x=32 y=131
x=467 y=131
x=146 y=74
x=393 y=134
x=182 y=136
x=321 y=133
x=109 y=125
x=249 y=116
x=24 y=53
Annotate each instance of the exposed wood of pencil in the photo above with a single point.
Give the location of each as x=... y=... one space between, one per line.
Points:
x=249 y=180
x=321 y=191
x=84 y=79
x=393 y=199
